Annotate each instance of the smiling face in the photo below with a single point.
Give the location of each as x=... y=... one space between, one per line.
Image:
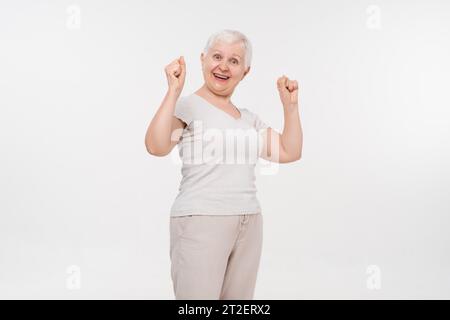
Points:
x=227 y=61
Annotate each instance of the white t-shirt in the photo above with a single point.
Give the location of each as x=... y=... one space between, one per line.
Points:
x=219 y=154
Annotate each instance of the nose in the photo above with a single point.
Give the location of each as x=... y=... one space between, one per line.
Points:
x=223 y=66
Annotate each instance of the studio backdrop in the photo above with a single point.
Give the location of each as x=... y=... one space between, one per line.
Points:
x=84 y=208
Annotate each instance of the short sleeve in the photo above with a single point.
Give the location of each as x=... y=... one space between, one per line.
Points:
x=182 y=110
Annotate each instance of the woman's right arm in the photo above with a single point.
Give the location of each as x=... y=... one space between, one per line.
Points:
x=165 y=129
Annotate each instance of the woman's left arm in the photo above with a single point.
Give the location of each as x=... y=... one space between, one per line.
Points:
x=287 y=146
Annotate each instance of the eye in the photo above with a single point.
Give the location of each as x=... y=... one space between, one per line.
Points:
x=235 y=61
x=216 y=55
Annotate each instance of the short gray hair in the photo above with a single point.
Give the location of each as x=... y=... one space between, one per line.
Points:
x=231 y=36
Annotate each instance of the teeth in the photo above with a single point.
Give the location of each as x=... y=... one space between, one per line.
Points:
x=220 y=76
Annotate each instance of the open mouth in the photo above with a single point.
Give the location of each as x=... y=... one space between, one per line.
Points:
x=220 y=77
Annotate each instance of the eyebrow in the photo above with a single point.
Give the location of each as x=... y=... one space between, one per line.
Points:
x=234 y=54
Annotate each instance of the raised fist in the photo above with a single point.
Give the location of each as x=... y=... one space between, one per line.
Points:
x=288 y=90
x=176 y=73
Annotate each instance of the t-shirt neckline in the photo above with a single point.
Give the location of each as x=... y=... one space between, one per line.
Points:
x=220 y=110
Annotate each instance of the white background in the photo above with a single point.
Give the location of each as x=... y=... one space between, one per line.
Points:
x=77 y=187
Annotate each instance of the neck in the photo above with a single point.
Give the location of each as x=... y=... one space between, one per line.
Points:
x=204 y=91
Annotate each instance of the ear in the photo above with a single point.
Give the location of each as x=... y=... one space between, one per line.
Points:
x=246 y=72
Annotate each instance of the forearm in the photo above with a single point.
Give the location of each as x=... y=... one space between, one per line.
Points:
x=292 y=135
x=159 y=132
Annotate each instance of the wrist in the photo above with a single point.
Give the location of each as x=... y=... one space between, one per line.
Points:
x=173 y=93
x=290 y=106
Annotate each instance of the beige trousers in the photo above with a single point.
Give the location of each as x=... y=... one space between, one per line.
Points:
x=215 y=257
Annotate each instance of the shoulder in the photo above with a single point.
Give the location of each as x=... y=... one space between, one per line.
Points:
x=247 y=111
x=182 y=100
x=183 y=108
x=187 y=100
x=254 y=119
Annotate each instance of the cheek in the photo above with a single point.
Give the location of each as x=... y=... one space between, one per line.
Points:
x=212 y=63
x=239 y=69
x=210 y=66
x=238 y=73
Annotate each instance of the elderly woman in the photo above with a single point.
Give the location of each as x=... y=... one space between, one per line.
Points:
x=216 y=219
